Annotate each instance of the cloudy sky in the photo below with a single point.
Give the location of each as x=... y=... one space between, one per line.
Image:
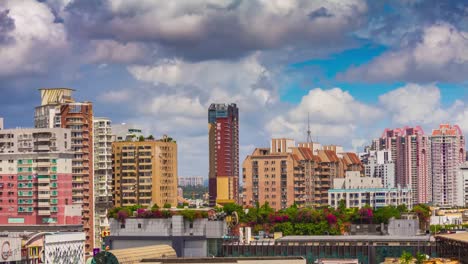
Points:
x=356 y=66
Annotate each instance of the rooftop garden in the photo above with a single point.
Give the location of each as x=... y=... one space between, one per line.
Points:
x=138 y=211
x=318 y=221
x=290 y=221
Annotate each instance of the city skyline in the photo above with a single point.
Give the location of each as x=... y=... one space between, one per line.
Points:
x=370 y=66
x=243 y=131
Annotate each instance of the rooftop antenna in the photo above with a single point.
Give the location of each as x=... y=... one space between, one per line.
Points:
x=309 y=133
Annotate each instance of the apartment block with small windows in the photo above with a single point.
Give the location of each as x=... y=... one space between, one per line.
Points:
x=283 y=174
x=59 y=109
x=145 y=172
x=357 y=191
x=448 y=154
x=102 y=175
x=36 y=177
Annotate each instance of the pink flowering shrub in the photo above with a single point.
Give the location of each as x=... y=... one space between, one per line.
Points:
x=122 y=215
x=331 y=219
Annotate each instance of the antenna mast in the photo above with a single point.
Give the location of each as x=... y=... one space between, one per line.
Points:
x=309 y=133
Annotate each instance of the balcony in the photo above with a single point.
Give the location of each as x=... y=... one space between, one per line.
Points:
x=43 y=188
x=43 y=212
x=44 y=204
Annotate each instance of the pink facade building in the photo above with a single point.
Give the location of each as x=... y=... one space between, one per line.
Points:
x=410 y=151
x=36 y=178
x=448 y=153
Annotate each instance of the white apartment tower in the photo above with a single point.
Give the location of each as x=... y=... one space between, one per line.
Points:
x=102 y=175
x=380 y=165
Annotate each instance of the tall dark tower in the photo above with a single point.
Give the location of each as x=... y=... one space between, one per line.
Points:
x=223 y=131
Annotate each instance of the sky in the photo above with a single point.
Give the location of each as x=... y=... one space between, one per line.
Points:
x=355 y=66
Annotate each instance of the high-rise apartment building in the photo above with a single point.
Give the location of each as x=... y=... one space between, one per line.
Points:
x=410 y=151
x=102 y=175
x=284 y=174
x=36 y=177
x=223 y=131
x=59 y=109
x=448 y=153
x=145 y=172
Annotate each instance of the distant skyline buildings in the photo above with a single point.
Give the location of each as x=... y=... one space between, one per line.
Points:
x=185 y=181
x=428 y=164
x=223 y=143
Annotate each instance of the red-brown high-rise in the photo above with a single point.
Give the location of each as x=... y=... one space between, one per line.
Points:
x=223 y=130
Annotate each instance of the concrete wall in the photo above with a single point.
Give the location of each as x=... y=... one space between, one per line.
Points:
x=196 y=248
x=188 y=239
x=403 y=227
x=174 y=226
x=132 y=243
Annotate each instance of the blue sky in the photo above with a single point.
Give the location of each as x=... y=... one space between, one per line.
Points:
x=355 y=66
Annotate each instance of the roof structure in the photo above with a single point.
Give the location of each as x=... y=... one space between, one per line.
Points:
x=361 y=238
x=137 y=254
x=462 y=237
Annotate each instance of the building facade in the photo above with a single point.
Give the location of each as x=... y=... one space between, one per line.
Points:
x=379 y=164
x=462 y=185
x=283 y=174
x=223 y=137
x=199 y=238
x=102 y=175
x=59 y=109
x=359 y=191
x=410 y=151
x=448 y=153
x=36 y=177
x=145 y=172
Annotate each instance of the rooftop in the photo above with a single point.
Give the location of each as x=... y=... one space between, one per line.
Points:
x=462 y=237
x=359 y=238
x=283 y=259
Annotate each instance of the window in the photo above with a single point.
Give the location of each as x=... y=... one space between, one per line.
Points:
x=139 y=225
x=122 y=225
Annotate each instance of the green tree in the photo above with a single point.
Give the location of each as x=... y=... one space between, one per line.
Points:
x=402 y=208
x=150 y=137
x=141 y=138
x=383 y=214
x=264 y=212
x=406 y=258
x=291 y=212
x=230 y=208
x=167 y=205
x=424 y=213
x=188 y=215
x=420 y=258
x=286 y=228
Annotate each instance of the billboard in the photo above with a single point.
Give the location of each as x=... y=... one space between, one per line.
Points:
x=10 y=249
